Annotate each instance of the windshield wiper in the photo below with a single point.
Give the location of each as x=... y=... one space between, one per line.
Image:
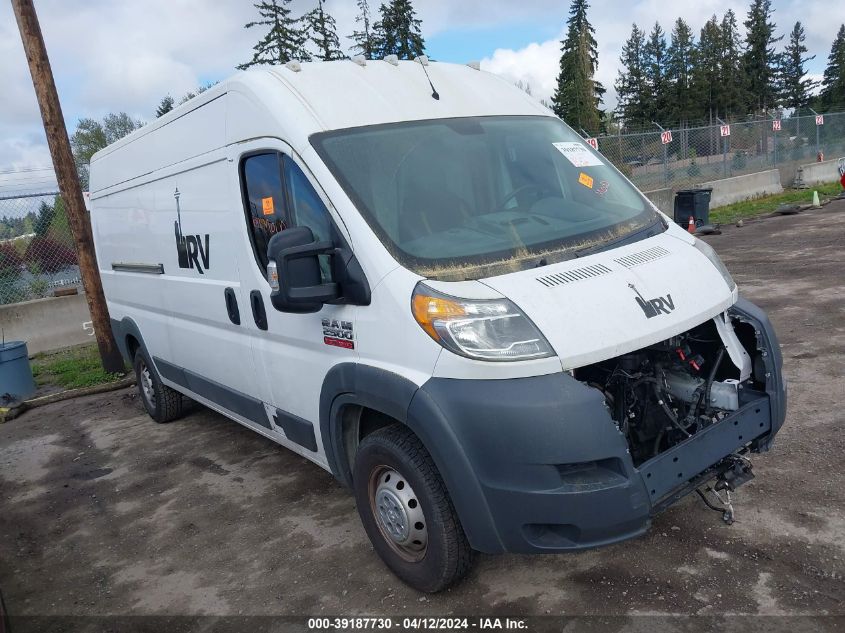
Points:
x=630 y=238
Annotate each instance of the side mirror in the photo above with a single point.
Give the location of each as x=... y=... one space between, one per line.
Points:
x=294 y=262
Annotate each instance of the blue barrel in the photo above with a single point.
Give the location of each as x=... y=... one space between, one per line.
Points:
x=16 y=381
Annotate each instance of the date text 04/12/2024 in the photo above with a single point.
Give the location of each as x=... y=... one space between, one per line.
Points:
x=420 y=623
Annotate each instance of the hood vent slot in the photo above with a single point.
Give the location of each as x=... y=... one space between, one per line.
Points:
x=577 y=274
x=648 y=255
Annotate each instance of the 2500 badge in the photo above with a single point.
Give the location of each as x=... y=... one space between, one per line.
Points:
x=338 y=333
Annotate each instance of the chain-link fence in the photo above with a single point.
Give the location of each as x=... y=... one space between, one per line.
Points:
x=682 y=157
x=37 y=255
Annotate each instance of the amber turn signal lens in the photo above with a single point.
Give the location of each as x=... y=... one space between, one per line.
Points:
x=427 y=310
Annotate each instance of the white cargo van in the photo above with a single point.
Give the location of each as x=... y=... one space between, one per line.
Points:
x=437 y=291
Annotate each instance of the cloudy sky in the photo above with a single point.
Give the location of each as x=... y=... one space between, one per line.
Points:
x=111 y=56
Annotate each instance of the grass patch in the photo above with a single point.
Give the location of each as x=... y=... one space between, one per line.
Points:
x=71 y=368
x=759 y=206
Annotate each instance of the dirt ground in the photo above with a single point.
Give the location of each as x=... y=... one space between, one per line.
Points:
x=104 y=512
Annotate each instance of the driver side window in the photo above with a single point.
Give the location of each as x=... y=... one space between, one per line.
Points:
x=278 y=195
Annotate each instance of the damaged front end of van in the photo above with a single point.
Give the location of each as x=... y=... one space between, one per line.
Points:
x=588 y=457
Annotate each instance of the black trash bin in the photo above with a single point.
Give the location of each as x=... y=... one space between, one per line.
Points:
x=695 y=203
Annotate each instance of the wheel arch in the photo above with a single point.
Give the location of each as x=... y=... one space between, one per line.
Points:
x=128 y=337
x=352 y=389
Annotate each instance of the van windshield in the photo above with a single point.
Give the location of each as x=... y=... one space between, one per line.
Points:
x=472 y=197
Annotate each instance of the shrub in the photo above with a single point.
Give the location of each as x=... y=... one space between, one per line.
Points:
x=10 y=259
x=50 y=255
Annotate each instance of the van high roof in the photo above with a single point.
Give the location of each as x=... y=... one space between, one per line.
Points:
x=296 y=100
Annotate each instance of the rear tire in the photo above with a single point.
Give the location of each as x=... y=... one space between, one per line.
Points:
x=406 y=511
x=161 y=402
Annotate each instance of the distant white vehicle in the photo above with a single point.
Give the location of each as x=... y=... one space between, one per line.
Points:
x=418 y=278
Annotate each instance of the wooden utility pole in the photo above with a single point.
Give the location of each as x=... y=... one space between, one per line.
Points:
x=63 y=163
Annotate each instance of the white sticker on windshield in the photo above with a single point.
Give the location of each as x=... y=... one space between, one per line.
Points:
x=578 y=154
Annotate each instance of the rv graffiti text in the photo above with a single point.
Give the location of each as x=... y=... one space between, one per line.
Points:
x=190 y=250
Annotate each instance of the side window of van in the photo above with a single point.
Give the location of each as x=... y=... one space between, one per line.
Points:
x=264 y=195
x=278 y=196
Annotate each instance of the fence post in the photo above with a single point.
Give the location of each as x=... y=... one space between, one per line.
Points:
x=724 y=148
x=665 y=156
x=818 y=143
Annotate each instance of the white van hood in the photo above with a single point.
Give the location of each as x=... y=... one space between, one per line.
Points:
x=594 y=308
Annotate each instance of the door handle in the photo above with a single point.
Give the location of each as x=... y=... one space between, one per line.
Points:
x=259 y=315
x=232 y=306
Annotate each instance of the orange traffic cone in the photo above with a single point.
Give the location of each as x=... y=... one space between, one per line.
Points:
x=691 y=225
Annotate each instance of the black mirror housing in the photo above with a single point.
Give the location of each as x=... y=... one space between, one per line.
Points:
x=301 y=288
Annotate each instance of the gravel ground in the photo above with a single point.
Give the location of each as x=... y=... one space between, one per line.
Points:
x=104 y=512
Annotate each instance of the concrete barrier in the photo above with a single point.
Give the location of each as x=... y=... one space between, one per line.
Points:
x=47 y=324
x=747 y=187
x=663 y=199
x=817 y=173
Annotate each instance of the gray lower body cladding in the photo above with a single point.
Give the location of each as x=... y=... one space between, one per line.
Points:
x=538 y=465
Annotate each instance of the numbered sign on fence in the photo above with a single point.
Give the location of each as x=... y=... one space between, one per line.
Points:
x=725 y=130
x=776 y=125
x=666 y=137
x=594 y=143
x=819 y=119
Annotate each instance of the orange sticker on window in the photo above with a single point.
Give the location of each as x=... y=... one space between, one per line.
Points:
x=585 y=180
x=267 y=205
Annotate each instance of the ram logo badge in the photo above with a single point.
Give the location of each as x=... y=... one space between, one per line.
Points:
x=654 y=307
x=189 y=248
x=338 y=333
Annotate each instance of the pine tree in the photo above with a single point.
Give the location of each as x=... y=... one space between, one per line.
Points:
x=578 y=95
x=364 y=39
x=832 y=96
x=631 y=86
x=706 y=75
x=679 y=67
x=283 y=42
x=794 y=84
x=165 y=106
x=321 y=29
x=761 y=60
x=733 y=93
x=398 y=32
x=654 y=69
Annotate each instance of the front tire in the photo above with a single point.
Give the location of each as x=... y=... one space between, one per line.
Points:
x=406 y=511
x=161 y=402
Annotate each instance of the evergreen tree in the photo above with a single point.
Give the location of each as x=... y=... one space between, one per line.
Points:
x=578 y=95
x=832 y=96
x=631 y=86
x=760 y=60
x=398 y=32
x=654 y=69
x=283 y=42
x=733 y=93
x=706 y=75
x=794 y=84
x=365 y=38
x=679 y=68
x=321 y=29
x=165 y=106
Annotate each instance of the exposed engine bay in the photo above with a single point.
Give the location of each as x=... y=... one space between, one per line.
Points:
x=665 y=393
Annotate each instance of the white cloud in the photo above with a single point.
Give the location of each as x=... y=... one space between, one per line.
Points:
x=536 y=65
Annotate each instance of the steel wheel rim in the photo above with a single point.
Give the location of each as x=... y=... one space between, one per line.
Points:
x=398 y=513
x=147 y=387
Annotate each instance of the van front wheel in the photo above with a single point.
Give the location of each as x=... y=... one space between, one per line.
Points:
x=407 y=512
x=161 y=402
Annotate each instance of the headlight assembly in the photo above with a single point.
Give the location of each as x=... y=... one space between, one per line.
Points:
x=493 y=330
